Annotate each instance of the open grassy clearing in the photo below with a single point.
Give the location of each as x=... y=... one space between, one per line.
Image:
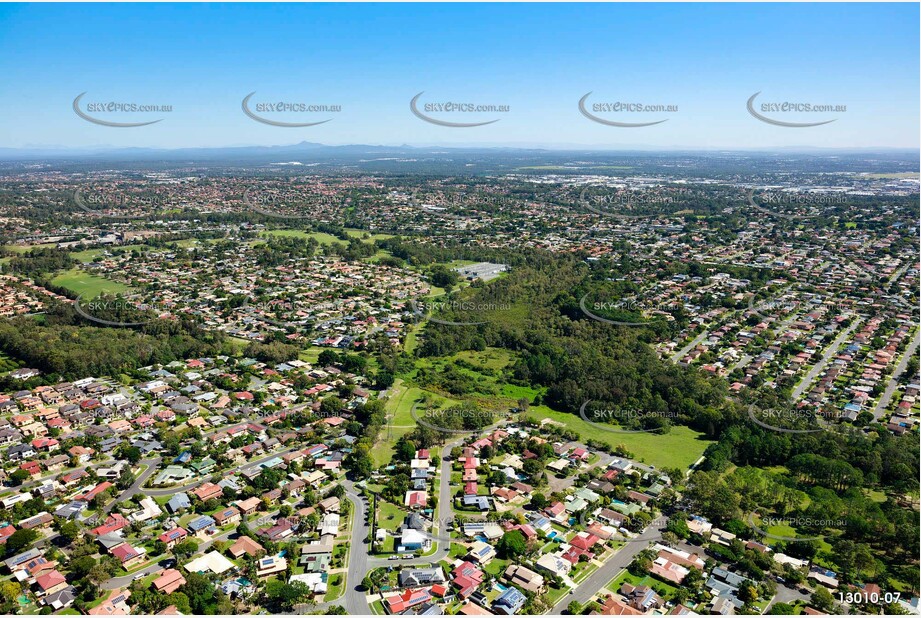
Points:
x=87 y=285
x=389 y=516
x=456 y=263
x=321 y=237
x=326 y=239
x=372 y=236
x=311 y=355
x=679 y=448
x=400 y=420
x=400 y=408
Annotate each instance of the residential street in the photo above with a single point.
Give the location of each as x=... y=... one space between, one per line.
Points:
x=598 y=580
x=830 y=351
x=910 y=351
x=360 y=561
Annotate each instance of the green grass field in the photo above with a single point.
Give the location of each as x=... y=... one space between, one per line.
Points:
x=324 y=238
x=389 y=516
x=456 y=263
x=311 y=355
x=679 y=448
x=87 y=285
x=321 y=237
x=371 y=237
x=412 y=339
x=400 y=419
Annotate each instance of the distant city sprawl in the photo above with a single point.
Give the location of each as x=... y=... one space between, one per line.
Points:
x=521 y=391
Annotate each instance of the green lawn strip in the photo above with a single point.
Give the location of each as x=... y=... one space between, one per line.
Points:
x=25 y=248
x=584 y=572
x=377 y=607
x=553 y=595
x=497 y=566
x=400 y=418
x=335 y=586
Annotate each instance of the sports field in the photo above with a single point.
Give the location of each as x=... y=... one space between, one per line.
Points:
x=87 y=285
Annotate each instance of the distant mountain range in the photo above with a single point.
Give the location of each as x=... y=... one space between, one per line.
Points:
x=316 y=151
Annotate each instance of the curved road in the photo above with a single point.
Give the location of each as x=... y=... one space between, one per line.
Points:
x=360 y=561
x=125 y=580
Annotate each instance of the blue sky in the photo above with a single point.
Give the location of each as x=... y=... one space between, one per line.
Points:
x=539 y=59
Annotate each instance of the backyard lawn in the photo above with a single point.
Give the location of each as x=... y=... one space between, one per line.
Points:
x=664 y=590
x=389 y=515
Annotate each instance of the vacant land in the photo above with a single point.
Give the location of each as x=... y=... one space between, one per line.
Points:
x=321 y=237
x=679 y=448
x=400 y=420
x=326 y=239
x=87 y=285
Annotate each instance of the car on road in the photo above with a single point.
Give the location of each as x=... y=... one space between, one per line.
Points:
x=394 y=557
x=139 y=576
